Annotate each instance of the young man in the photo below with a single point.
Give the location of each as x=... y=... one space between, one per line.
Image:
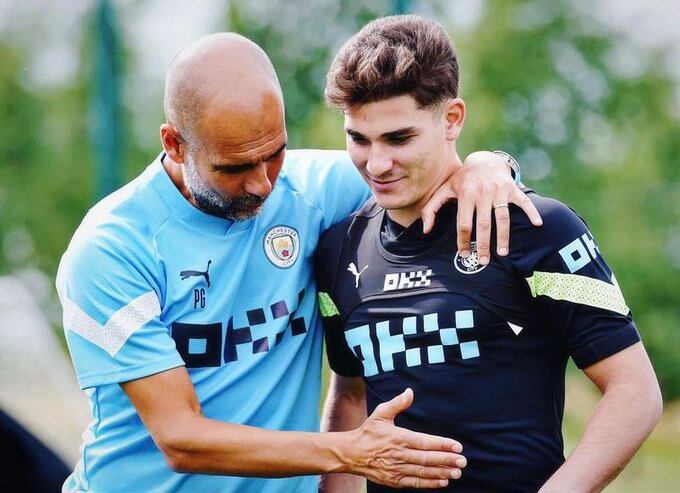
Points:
x=190 y=306
x=484 y=347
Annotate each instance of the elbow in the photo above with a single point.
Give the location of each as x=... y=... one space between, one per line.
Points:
x=650 y=404
x=177 y=461
x=176 y=449
x=656 y=404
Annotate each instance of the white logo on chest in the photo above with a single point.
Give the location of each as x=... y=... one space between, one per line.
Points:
x=407 y=280
x=469 y=264
x=281 y=246
x=353 y=270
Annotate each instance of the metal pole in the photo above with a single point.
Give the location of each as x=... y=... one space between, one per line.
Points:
x=105 y=111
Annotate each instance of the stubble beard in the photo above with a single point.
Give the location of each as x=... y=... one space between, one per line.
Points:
x=239 y=208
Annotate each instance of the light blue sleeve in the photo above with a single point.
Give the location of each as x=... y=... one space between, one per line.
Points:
x=112 y=311
x=329 y=180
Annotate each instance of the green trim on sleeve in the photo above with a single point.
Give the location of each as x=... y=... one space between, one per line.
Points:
x=326 y=305
x=579 y=289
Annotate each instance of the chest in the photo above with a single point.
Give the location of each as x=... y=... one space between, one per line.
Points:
x=234 y=298
x=440 y=310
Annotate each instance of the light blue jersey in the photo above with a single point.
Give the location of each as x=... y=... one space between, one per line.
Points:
x=149 y=283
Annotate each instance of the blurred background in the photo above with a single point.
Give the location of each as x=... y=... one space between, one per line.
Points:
x=585 y=94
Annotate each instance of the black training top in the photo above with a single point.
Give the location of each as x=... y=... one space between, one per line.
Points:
x=483 y=347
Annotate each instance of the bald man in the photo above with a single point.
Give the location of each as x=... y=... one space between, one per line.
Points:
x=190 y=307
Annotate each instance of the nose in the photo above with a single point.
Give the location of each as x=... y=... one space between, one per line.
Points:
x=258 y=182
x=379 y=162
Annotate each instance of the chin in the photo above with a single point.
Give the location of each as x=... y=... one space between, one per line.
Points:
x=245 y=214
x=391 y=202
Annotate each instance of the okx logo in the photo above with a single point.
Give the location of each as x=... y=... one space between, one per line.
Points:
x=412 y=351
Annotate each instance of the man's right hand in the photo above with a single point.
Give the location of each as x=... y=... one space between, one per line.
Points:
x=397 y=457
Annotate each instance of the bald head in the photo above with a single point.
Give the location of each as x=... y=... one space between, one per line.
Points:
x=224 y=77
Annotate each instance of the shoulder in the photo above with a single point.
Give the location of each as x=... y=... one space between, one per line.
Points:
x=117 y=231
x=326 y=180
x=304 y=170
x=335 y=239
x=337 y=235
x=559 y=220
x=563 y=241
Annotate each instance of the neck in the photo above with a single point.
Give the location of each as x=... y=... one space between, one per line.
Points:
x=406 y=216
x=174 y=171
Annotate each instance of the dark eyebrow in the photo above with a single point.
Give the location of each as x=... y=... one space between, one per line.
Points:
x=354 y=133
x=246 y=165
x=400 y=132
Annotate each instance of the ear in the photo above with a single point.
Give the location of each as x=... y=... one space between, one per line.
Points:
x=173 y=143
x=454 y=113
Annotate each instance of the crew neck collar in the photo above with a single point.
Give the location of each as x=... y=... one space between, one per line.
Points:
x=182 y=208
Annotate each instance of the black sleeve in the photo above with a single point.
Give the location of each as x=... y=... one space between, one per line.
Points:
x=340 y=357
x=574 y=290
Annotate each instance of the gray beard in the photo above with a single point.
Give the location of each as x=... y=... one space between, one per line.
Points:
x=237 y=208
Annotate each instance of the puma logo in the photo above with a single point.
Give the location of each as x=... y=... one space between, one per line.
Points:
x=186 y=274
x=353 y=269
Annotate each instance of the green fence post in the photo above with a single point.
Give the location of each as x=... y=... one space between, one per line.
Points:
x=105 y=113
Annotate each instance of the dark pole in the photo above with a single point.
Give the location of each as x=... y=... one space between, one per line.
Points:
x=402 y=6
x=105 y=116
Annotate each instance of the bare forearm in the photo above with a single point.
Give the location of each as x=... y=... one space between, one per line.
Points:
x=207 y=446
x=342 y=413
x=389 y=455
x=622 y=421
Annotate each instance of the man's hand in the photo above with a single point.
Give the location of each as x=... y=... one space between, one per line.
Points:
x=483 y=184
x=168 y=406
x=400 y=458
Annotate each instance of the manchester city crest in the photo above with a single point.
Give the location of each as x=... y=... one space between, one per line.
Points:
x=470 y=264
x=282 y=246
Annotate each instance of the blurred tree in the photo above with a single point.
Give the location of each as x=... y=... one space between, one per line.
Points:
x=40 y=189
x=546 y=82
x=589 y=118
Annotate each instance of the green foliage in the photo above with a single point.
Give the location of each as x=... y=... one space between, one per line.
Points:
x=615 y=162
x=43 y=136
x=542 y=89
x=538 y=81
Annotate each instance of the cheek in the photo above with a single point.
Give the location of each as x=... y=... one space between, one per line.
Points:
x=273 y=171
x=228 y=185
x=358 y=155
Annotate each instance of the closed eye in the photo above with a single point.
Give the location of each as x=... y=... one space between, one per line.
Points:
x=234 y=170
x=358 y=139
x=399 y=140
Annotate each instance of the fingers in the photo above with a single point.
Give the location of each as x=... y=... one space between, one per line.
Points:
x=425 y=472
x=440 y=197
x=520 y=198
x=389 y=410
x=423 y=441
x=408 y=482
x=466 y=209
x=502 y=215
x=483 y=231
x=430 y=458
x=427 y=477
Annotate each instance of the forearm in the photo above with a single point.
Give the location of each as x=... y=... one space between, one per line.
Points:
x=341 y=413
x=622 y=421
x=201 y=445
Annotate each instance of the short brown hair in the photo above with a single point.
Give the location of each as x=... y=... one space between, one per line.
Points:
x=393 y=56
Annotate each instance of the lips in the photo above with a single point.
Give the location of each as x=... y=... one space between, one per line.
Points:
x=384 y=185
